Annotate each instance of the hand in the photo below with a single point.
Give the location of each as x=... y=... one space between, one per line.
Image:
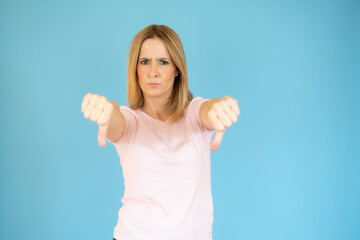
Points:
x=222 y=114
x=98 y=109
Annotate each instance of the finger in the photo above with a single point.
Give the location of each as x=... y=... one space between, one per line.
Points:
x=235 y=108
x=232 y=103
x=91 y=106
x=96 y=113
x=231 y=114
x=106 y=114
x=102 y=135
x=217 y=124
x=224 y=118
x=85 y=102
x=217 y=140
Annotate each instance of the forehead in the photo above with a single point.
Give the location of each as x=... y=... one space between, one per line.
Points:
x=153 y=47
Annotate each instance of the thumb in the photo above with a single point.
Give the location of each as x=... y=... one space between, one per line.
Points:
x=217 y=140
x=102 y=135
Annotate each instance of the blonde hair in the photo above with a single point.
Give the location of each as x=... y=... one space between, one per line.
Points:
x=181 y=95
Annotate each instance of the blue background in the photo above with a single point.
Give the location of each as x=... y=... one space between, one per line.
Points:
x=288 y=169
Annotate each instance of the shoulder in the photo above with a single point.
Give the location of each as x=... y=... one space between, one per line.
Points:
x=194 y=107
x=126 y=109
x=193 y=117
x=197 y=100
x=196 y=103
x=130 y=114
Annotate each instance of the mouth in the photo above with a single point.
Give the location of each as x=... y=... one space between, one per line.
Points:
x=153 y=84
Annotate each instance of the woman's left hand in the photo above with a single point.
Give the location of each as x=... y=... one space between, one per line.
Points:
x=222 y=114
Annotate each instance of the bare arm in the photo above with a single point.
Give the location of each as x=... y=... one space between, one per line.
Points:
x=204 y=115
x=107 y=115
x=117 y=124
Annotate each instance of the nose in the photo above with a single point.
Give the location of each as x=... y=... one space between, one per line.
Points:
x=153 y=70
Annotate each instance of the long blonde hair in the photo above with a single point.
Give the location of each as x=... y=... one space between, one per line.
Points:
x=181 y=95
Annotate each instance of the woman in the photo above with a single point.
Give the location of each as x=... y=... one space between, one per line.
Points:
x=163 y=141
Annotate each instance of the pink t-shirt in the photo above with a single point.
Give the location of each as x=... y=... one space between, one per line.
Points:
x=166 y=169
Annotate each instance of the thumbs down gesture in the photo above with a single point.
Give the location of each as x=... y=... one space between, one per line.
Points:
x=219 y=114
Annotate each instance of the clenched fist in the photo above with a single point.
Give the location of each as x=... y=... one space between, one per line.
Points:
x=222 y=113
x=98 y=109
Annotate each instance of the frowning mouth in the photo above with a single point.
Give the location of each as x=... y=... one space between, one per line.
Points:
x=154 y=84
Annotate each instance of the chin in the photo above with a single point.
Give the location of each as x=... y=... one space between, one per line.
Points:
x=153 y=93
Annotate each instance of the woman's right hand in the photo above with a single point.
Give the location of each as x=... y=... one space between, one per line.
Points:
x=98 y=109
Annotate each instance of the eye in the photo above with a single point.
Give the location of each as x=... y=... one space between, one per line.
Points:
x=163 y=62
x=143 y=62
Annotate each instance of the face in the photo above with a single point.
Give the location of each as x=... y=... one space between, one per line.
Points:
x=155 y=69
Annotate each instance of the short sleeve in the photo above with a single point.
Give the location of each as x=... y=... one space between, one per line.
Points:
x=129 y=132
x=194 y=118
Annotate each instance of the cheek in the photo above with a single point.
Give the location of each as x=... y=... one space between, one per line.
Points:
x=140 y=72
x=169 y=74
x=141 y=76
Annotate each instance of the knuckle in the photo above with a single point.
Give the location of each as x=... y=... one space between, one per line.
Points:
x=92 y=98
x=224 y=104
x=217 y=105
x=231 y=100
x=87 y=95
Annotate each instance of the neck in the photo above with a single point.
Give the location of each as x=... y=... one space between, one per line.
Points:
x=155 y=108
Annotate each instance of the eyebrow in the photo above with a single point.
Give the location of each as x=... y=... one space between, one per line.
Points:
x=156 y=58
